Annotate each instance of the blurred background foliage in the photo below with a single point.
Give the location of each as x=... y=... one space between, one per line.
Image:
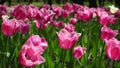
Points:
x=90 y=3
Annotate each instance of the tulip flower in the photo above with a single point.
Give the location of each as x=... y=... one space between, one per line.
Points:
x=3 y=10
x=65 y=13
x=23 y=27
x=31 y=11
x=108 y=33
x=30 y=56
x=85 y=14
x=9 y=27
x=113 y=49
x=113 y=9
x=106 y=19
x=58 y=24
x=73 y=21
x=68 y=7
x=20 y=12
x=79 y=52
x=57 y=10
x=31 y=51
x=43 y=18
x=67 y=38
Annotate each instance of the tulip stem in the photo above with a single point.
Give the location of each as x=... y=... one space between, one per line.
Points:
x=79 y=62
x=64 y=54
x=7 y=46
x=102 y=54
x=16 y=46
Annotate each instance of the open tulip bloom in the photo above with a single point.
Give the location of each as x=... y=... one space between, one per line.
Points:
x=67 y=37
x=31 y=51
x=113 y=49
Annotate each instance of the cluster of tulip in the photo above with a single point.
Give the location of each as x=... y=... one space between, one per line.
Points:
x=19 y=19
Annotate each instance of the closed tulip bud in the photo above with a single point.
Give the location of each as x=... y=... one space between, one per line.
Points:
x=79 y=52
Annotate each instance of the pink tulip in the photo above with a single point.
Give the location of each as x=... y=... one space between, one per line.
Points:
x=68 y=7
x=85 y=14
x=70 y=27
x=45 y=6
x=73 y=21
x=31 y=11
x=57 y=10
x=77 y=7
x=108 y=33
x=113 y=49
x=3 y=10
x=67 y=39
x=30 y=56
x=9 y=27
x=31 y=51
x=37 y=41
x=23 y=27
x=20 y=12
x=79 y=52
x=118 y=13
x=43 y=18
x=58 y=24
x=106 y=19
x=65 y=13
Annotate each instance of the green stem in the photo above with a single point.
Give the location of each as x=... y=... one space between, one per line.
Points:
x=64 y=55
x=96 y=55
x=101 y=55
x=79 y=62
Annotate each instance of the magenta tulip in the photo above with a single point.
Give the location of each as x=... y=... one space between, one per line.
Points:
x=67 y=39
x=113 y=49
x=20 y=12
x=57 y=10
x=84 y=14
x=106 y=19
x=68 y=7
x=73 y=21
x=79 y=52
x=58 y=24
x=23 y=27
x=9 y=27
x=3 y=10
x=43 y=18
x=31 y=51
x=108 y=33
x=31 y=11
